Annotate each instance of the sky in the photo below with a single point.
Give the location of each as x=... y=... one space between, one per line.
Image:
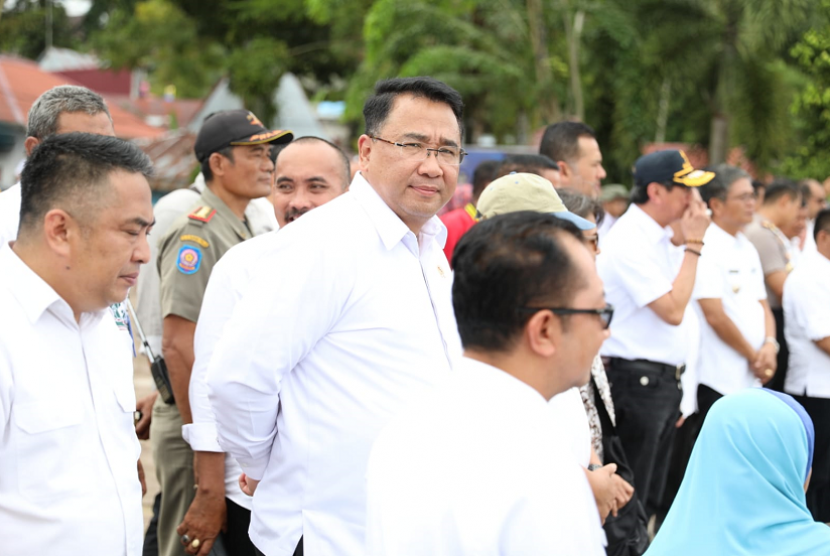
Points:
x=73 y=7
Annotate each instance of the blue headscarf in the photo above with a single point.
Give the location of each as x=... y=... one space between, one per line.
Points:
x=743 y=492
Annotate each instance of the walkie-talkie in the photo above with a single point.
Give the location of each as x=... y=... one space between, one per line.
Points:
x=157 y=366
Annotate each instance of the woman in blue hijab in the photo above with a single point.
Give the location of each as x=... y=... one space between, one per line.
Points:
x=743 y=492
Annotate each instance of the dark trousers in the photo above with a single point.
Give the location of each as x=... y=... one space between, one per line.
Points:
x=237 y=541
x=777 y=381
x=151 y=538
x=647 y=404
x=297 y=551
x=818 y=494
x=706 y=398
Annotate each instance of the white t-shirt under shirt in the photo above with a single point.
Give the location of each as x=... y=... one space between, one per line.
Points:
x=807 y=318
x=470 y=469
x=730 y=270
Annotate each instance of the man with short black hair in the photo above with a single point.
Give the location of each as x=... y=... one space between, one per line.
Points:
x=573 y=146
x=538 y=164
x=452 y=476
x=460 y=220
x=806 y=299
x=737 y=340
x=782 y=203
x=68 y=482
x=650 y=281
x=234 y=149
x=816 y=202
x=364 y=325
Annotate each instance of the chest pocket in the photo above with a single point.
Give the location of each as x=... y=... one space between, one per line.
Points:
x=47 y=442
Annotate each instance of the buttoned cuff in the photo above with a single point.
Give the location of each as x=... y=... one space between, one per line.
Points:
x=202 y=437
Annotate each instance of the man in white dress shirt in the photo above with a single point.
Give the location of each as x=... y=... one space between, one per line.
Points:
x=807 y=328
x=316 y=360
x=309 y=172
x=477 y=466
x=649 y=281
x=737 y=338
x=68 y=449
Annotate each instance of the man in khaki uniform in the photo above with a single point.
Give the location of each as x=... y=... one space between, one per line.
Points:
x=234 y=149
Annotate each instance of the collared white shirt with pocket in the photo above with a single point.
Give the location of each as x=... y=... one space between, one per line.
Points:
x=638 y=265
x=730 y=270
x=807 y=320
x=229 y=279
x=347 y=319
x=68 y=449
x=471 y=469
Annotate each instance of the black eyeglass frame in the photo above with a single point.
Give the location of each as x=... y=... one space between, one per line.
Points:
x=601 y=313
x=461 y=152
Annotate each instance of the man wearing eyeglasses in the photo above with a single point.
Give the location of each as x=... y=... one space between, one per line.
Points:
x=737 y=344
x=478 y=466
x=650 y=281
x=347 y=320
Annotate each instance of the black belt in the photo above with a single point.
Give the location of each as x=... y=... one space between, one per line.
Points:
x=676 y=370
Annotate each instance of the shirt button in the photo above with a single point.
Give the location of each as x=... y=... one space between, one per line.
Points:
x=644 y=380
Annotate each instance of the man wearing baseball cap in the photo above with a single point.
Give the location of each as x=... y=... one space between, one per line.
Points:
x=235 y=152
x=649 y=281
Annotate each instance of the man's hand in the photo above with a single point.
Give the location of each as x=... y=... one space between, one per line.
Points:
x=141 y=479
x=145 y=406
x=605 y=489
x=247 y=484
x=623 y=491
x=765 y=360
x=204 y=520
x=695 y=220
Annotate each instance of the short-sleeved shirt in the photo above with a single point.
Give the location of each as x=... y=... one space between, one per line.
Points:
x=806 y=303
x=190 y=249
x=774 y=250
x=729 y=270
x=638 y=265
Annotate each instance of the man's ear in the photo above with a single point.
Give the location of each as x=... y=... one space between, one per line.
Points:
x=29 y=144
x=654 y=191
x=59 y=228
x=542 y=332
x=564 y=170
x=364 y=151
x=218 y=164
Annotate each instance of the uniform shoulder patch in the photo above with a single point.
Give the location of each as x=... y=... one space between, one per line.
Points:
x=189 y=259
x=202 y=214
x=195 y=239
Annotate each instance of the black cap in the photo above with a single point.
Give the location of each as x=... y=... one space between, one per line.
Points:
x=669 y=167
x=235 y=127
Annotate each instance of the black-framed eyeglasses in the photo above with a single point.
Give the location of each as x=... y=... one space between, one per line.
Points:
x=451 y=156
x=606 y=314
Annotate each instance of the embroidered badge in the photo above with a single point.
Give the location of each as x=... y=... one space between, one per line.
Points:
x=189 y=259
x=441 y=272
x=195 y=239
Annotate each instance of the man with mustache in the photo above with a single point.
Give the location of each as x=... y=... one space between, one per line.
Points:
x=309 y=172
x=234 y=149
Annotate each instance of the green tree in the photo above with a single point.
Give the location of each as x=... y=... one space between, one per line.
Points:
x=24 y=30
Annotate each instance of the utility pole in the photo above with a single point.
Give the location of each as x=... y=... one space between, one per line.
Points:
x=2 y=2
x=48 y=24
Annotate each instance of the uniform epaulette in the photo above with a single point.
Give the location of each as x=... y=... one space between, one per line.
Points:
x=202 y=214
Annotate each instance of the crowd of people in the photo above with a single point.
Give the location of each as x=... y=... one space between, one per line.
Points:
x=559 y=367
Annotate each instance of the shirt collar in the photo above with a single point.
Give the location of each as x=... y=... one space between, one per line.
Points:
x=31 y=291
x=509 y=386
x=388 y=224
x=647 y=224
x=224 y=211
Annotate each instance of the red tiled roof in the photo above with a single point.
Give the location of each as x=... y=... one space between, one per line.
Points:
x=22 y=82
x=184 y=109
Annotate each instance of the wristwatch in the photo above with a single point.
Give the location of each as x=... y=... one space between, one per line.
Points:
x=594 y=466
x=773 y=341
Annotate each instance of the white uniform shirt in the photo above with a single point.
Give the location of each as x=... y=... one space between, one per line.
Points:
x=229 y=279
x=807 y=319
x=571 y=424
x=638 y=265
x=9 y=214
x=730 y=270
x=451 y=476
x=348 y=318
x=608 y=222
x=68 y=450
